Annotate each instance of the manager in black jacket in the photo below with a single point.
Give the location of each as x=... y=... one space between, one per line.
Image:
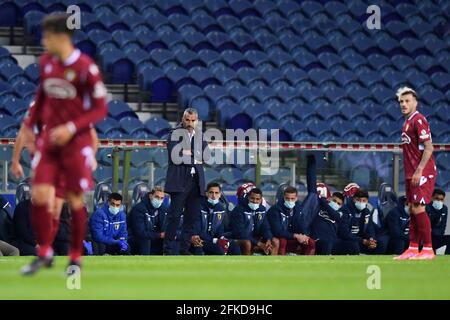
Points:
x=185 y=180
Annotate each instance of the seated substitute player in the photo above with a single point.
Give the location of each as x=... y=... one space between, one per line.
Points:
x=209 y=231
x=70 y=100
x=420 y=175
x=147 y=220
x=438 y=212
x=357 y=226
x=108 y=227
x=397 y=222
x=288 y=225
x=250 y=226
x=326 y=223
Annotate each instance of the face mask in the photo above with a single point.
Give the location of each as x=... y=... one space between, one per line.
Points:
x=253 y=206
x=360 y=205
x=114 y=210
x=156 y=203
x=438 y=204
x=213 y=201
x=289 y=204
x=334 y=205
x=406 y=209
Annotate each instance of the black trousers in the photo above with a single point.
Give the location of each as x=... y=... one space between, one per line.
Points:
x=188 y=204
x=439 y=241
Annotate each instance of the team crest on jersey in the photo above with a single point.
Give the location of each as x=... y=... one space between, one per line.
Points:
x=70 y=75
x=116 y=226
x=219 y=216
x=259 y=216
x=59 y=88
x=405 y=138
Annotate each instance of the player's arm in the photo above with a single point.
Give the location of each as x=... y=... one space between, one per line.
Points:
x=94 y=148
x=427 y=153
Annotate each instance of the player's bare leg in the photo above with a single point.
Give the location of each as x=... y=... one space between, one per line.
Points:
x=423 y=229
x=43 y=204
x=77 y=226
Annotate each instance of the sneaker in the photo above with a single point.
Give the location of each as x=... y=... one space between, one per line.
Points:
x=408 y=254
x=35 y=265
x=424 y=255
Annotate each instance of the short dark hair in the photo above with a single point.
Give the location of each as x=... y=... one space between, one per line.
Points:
x=439 y=192
x=213 y=185
x=255 y=191
x=361 y=194
x=115 y=196
x=338 y=195
x=290 y=189
x=57 y=23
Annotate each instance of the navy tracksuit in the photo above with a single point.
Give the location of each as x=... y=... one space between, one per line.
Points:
x=146 y=225
x=355 y=226
x=324 y=228
x=248 y=224
x=438 y=219
x=108 y=229
x=381 y=234
x=186 y=190
x=209 y=226
x=284 y=222
x=397 y=223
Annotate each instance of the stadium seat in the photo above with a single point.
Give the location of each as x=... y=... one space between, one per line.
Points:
x=235 y=59
x=119 y=109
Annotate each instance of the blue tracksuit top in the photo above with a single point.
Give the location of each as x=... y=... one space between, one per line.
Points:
x=397 y=222
x=107 y=228
x=146 y=221
x=438 y=219
x=210 y=221
x=284 y=222
x=250 y=225
x=356 y=225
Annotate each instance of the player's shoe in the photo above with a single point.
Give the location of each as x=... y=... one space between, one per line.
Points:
x=424 y=255
x=408 y=254
x=36 y=264
x=73 y=267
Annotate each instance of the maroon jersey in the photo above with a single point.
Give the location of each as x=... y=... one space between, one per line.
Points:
x=416 y=131
x=70 y=92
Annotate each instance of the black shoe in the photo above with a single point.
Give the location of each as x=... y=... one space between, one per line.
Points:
x=72 y=267
x=35 y=265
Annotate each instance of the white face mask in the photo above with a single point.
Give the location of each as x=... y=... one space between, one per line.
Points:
x=406 y=208
x=213 y=201
x=438 y=205
x=334 y=205
x=360 y=205
x=156 y=203
x=253 y=206
x=114 y=210
x=289 y=204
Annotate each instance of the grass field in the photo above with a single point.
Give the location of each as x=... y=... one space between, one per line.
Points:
x=255 y=277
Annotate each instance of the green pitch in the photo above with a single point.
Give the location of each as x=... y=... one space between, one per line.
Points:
x=255 y=277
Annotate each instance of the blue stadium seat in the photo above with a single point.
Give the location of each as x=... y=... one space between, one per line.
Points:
x=361 y=176
x=119 y=109
x=416 y=77
x=266 y=39
x=278 y=25
x=180 y=21
x=32 y=25
x=211 y=175
x=203 y=106
x=242 y=94
x=186 y=92
x=24 y=88
x=228 y=22
x=178 y=76
x=244 y=41
x=235 y=59
x=217 y=94
x=221 y=41
x=123 y=37
x=203 y=76
x=441 y=80
x=210 y=57
x=172 y=40
x=8 y=125
x=158 y=126
x=137 y=56
x=117 y=67
x=218 y=8
x=443 y=161
x=132 y=125
x=243 y=8
x=155 y=80
x=252 y=23
x=112 y=22
x=189 y=59
x=294 y=75
x=335 y=8
x=258 y=58
x=353 y=59
x=10 y=70
x=402 y=62
x=162 y=57
x=9 y=14
x=14 y=107
x=348 y=25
